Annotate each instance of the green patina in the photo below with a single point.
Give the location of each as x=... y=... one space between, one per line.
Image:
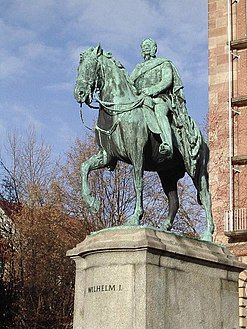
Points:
x=143 y=121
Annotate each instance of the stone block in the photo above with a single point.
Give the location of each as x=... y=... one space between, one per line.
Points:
x=242 y=292
x=141 y=278
x=243 y=302
x=243 y=322
x=242 y=310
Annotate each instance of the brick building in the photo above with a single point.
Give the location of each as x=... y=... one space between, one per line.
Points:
x=228 y=128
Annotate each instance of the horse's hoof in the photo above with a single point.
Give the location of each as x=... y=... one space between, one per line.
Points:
x=166 y=226
x=207 y=236
x=132 y=221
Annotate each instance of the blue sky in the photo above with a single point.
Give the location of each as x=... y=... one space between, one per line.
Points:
x=40 y=43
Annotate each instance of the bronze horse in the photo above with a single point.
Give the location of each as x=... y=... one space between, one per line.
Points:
x=123 y=134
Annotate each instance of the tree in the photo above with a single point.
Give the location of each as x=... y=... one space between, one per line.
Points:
x=38 y=277
x=29 y=170
x=7 y=290
x=45 y=273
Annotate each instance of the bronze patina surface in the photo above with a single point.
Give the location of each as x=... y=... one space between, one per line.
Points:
x=143 y=121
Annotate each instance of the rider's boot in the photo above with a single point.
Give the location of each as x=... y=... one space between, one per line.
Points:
x=165 y=147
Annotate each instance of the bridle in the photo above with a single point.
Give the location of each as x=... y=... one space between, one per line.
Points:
x=93 y=84
x=111 y=108
x=89 y=84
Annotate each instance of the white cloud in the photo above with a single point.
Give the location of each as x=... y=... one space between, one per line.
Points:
x=39 y=16
x=22 y=47
x=123 y=20
x=26 y=116
x=26 y=58
x=11 y=36
x=179 y=26
x=63 y=86
x=41 y=41
x=65 y=133
x=16 y=115
x=10 y=65
x=3 y=132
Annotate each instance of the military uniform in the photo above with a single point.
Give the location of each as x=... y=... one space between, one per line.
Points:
x=148 y=74
x=154 y=78
x=159 y=78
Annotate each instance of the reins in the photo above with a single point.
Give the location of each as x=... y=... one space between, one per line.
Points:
x=115 y=109
x=82 y=119
x=110 y=131
x=110 y=108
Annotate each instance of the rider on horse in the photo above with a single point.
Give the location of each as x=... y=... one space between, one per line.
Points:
x=159 y=80
x=126 y=119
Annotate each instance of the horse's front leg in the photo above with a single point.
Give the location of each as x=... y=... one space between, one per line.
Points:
x=97 y=161
x=138 y=183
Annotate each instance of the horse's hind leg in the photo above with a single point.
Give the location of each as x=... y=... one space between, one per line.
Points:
x=169 y=184
x=204 y=198
x=97 y=161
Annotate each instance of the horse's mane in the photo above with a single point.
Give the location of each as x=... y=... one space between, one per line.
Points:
x=108 y=54
x=119 y=65
x=109 y=57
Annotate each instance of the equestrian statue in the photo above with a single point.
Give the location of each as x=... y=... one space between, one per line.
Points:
x=143 y=121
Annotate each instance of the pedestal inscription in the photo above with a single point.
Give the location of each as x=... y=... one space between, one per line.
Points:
x=104 y=288
x=105 y=304
x=146 y=279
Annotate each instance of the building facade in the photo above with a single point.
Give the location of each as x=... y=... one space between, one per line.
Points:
x=227 y=33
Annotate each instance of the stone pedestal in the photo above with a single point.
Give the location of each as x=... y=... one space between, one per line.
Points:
x=140 y=278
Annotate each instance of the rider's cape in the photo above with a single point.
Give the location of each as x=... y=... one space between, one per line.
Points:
x=187 y=135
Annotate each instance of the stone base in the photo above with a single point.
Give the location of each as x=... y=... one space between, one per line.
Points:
x=142 y=278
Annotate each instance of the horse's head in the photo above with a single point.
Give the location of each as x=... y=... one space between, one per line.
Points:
x=87 y=75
